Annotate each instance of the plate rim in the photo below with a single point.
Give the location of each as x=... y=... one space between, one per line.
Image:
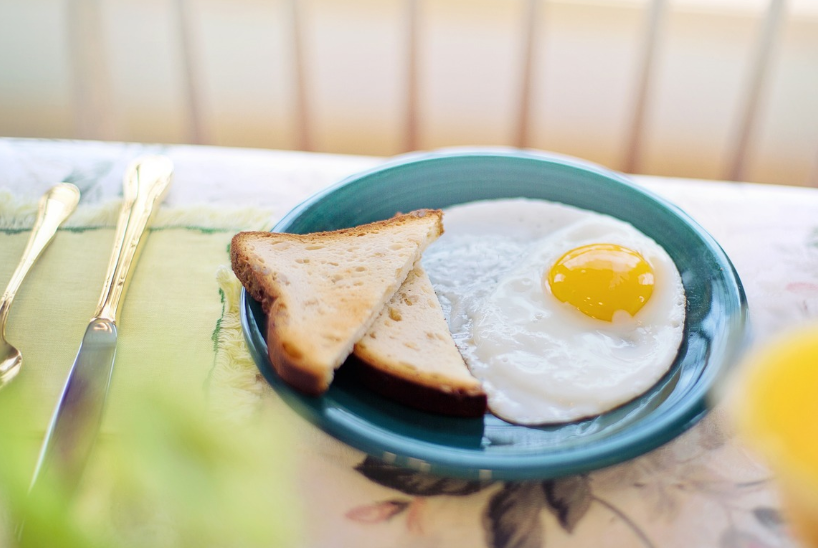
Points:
x=467 y=463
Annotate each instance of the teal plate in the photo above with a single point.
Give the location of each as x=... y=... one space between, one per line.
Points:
x=715 y=327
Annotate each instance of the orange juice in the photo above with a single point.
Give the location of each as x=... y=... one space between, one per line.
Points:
x=775 y=405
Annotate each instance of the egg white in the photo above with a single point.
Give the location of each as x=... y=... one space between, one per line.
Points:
x=541 y=361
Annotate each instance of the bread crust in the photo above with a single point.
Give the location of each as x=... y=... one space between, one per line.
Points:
x=292 y=365
x=298 y=373
x=456 y=403
x=295 y=372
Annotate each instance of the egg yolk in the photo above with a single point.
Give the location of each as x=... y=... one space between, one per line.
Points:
x=600 y=279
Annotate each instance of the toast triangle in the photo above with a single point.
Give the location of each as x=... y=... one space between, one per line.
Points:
x=409 y=356
x=322 y=291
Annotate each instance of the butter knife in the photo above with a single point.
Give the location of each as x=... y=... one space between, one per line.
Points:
x=77 y=417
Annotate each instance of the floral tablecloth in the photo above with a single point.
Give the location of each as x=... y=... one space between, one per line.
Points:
x=702 y=489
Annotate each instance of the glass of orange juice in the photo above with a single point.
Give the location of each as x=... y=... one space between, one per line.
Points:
x=774 y=402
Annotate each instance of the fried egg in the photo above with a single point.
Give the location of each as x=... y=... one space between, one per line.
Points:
x=561 y=313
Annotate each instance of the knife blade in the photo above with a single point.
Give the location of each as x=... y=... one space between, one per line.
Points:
x=76 y=419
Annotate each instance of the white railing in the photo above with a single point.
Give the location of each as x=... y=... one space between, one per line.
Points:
x=98 y=108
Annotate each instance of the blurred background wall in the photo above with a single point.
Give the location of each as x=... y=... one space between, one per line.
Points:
x=718 y=89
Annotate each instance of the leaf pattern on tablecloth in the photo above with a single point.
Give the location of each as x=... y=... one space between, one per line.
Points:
x=662 y=481
x=568 y=499
x=378 y=512
x=512 y=517
x=770 y=518
x=416 y=483
x=414 y=516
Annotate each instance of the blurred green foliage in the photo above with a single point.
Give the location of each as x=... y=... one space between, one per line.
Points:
x=172 y=475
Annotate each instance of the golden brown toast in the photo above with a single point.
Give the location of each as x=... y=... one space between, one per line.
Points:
x=322 y=291
x=408 y=354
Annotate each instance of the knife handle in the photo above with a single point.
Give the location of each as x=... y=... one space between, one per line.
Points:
x=145 y=184
x=56 y=205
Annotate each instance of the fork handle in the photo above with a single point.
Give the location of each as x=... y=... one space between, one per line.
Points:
x=145 y=184
x=54 y=208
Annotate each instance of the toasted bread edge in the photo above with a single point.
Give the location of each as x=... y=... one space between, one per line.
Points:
x=457 y=403
x=297 y=372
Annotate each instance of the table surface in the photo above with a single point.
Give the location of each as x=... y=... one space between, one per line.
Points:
x=702 y=489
